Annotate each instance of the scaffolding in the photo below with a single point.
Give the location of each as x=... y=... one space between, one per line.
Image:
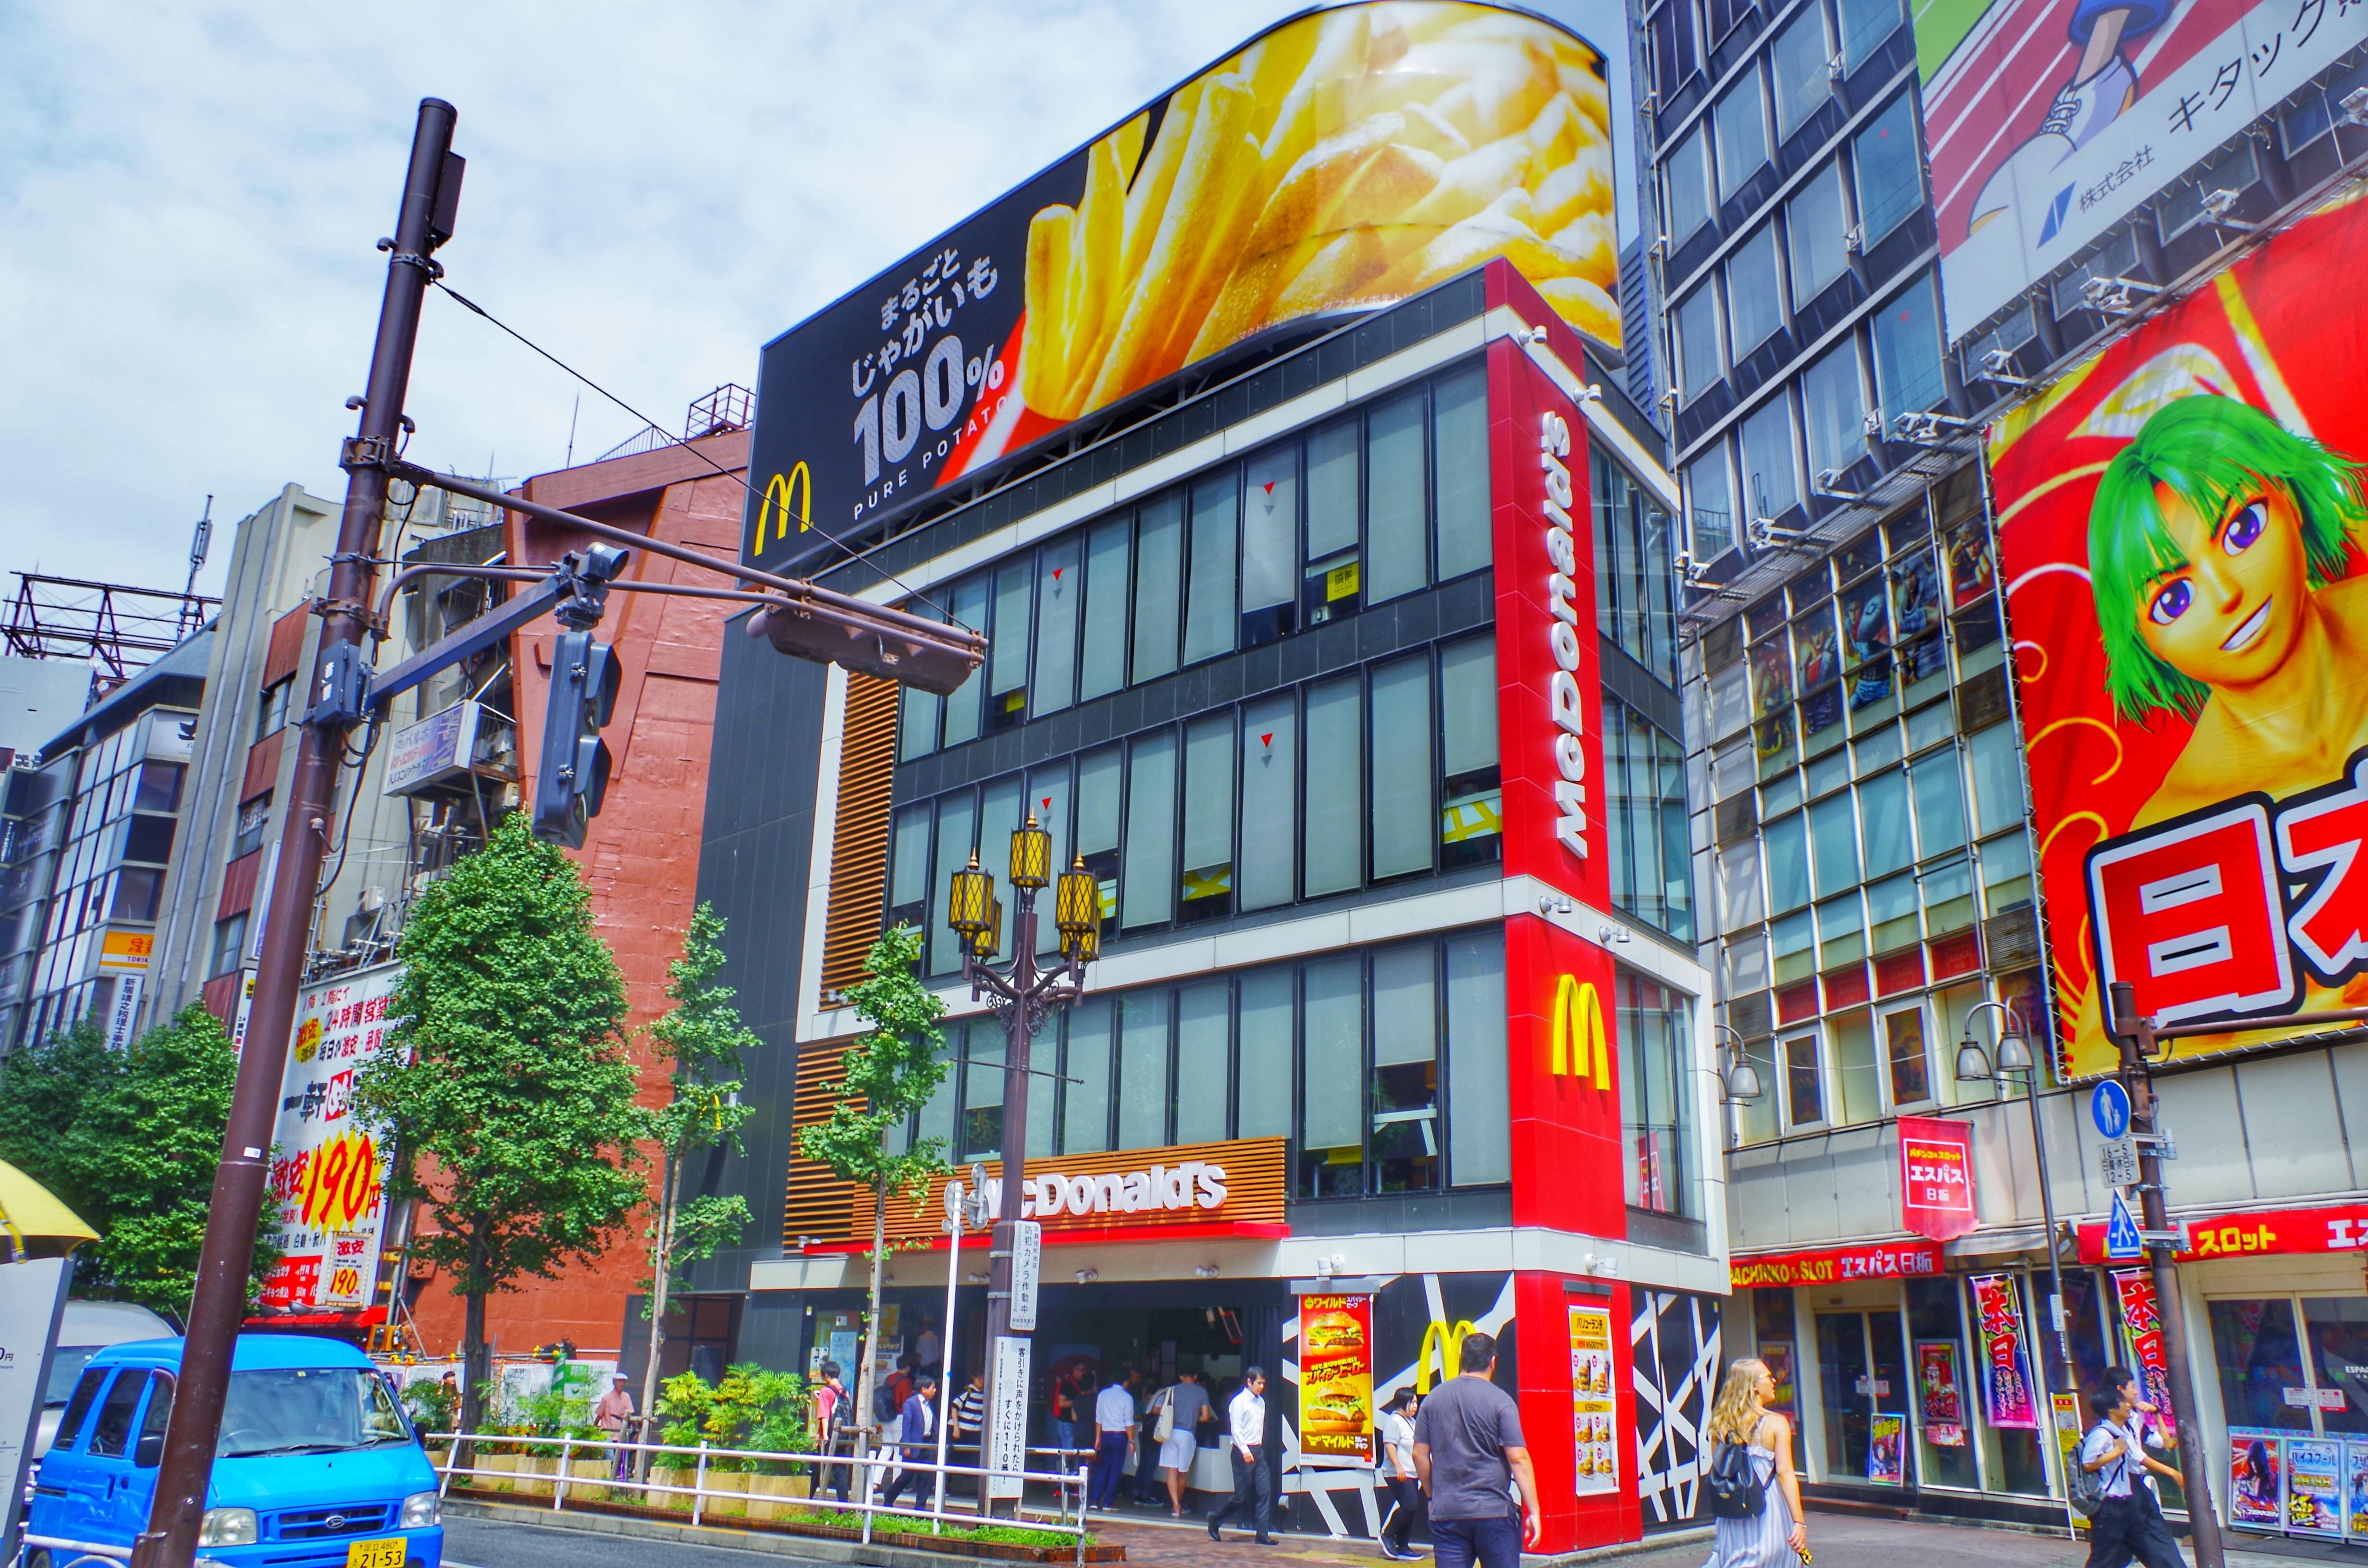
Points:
x=119 y=629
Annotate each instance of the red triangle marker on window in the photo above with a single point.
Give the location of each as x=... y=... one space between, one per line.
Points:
x=1268 y=487
x=1048 y=802
x=1056 y=573
x=1266 y=738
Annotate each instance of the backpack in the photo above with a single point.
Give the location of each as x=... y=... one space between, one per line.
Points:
x=2085 y=1488
x=1732 y=1484
x=886 y=1406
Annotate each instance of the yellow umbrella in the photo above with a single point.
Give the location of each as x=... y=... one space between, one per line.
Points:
x=28 y=1212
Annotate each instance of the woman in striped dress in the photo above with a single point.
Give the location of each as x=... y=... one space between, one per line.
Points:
x=1776 y=1537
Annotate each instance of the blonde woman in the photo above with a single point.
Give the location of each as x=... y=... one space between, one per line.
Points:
x=1741 y=1415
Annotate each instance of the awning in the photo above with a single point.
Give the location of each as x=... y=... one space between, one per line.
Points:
x=28 y=1212
x=2334 y=1228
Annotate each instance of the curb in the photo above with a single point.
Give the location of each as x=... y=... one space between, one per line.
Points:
x=810 y=1547
x=1699 y=1536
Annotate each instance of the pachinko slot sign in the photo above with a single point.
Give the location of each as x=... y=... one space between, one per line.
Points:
x=328 y=1172
x=2181 y=528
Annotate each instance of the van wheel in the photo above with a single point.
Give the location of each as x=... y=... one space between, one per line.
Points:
x=38 y=1560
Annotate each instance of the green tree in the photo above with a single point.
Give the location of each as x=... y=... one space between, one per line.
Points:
x=702 y=1037
x=884 y=1077
x=129 y=1141
x=514 y=1116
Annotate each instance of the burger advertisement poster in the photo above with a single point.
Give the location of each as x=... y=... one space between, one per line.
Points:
x=2181 y=525
x=1343 y=161
x=1336 y=1377
x=1594 y=1410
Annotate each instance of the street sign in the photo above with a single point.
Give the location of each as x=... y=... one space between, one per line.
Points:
x=2119 y=1159
x=2122 y=1242
x=1027 y=1268
x=1007 y=1424
x=2108 y=1108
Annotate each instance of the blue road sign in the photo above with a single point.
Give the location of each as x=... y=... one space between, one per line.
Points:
x=2122 y=1244
x=2108 y=1108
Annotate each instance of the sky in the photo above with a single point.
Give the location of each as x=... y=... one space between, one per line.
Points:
x=190 y=197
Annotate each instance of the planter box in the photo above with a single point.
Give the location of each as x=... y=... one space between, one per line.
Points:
x=539 y=1465
x=785 y=1487
x=727 y=1494
x=503 y=1466
x=664 y=1475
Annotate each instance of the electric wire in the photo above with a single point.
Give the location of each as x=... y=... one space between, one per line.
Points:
x=739 y=479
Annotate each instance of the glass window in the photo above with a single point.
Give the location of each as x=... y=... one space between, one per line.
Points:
x=110 y=1435
x=1890 y=171
x=1102 y=669
x=1997 y=779
x=1788 y=863
x=1395 y=533
x=1742 y=121
x=1147 y=893
x=1833 y=832
x=1085 y=1107
x=2260 y=1358
x=1814 y=230
x=1007 y=656
x=272 y=712
x=1331 y=1138
x=230 y=945
x=1143 y=1076
x=1478 y=1110
x=1209 y=616
x=1948 y=897
x=2338 y=1330
x=1270 y=546
x=982 y=1106
x=160 y=787
x=2005 y=871
x=138 y=890
x=1833 y=403
x=1891 y=907
x=1698 y=355
x=1857 y=1084
x=1098 y=823
x=1798 y=61
x=1333 y=584
x=1908 y=1058
x=998 y=818
x=1805 y=1091
x=1842 y=934
x=1865 y=24
x=1158 y=586
x=1940 y=801
x=1459 y=467
x=1882 y=813
x=1334 y=839
x=917 y=717
x=1057 y=593
x=1755 y=296
x=1405 y=1142
x=1656 y=1110
x=1771 y=485
x=969 y=606
x=1203 y=1043
x=1686 y=176
x=1402 y=806
x=1048 y=797
x=1471 y=817
x=1268 y=875
x=1208 y=882
x=1710 y=506
x=1262 y=1090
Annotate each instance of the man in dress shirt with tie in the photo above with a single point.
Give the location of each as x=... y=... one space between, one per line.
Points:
x=1253 y=1483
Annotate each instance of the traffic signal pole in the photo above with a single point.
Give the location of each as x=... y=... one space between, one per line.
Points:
x=430 y=193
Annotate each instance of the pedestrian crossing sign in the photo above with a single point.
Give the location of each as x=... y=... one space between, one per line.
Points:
x=2122 y=1244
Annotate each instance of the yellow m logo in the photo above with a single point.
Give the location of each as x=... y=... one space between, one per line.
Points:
x=783 y=493
x=1581 y=1049
x=1447 y=1345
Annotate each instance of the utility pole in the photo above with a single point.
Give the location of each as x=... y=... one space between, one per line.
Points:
x=431 y=193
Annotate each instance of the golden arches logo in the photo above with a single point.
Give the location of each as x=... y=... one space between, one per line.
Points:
x=1446 y=1345
x=785 y=492
x=1580 y=1047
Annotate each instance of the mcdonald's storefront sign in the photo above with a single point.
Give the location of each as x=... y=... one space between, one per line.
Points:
x=1441 y=1360
x=786 y=494
x=1581 y=1049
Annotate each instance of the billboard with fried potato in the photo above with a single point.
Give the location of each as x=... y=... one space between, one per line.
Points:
x=1342 y=161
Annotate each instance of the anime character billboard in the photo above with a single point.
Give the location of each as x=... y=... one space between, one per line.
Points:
x=2182 y=531
x=2047 y=122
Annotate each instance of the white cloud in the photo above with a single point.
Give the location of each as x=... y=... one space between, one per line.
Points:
x=189 y=196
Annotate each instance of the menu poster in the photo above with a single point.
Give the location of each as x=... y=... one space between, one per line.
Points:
x=2142 y=1331
x=2068 y=1430
x=1336 y=1376
x=2314 y=1486
x=2355 y=1487
x=2006 y=1374
x=1593 y=1413
x=1776 y=1355
x=1938 y=1386
x=1885 y=1461
x=2257 y=1497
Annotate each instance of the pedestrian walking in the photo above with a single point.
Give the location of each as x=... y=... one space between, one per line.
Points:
x=830 y=1421
x=613 y=1415
x=1470 y=1457
x=1113 y=1442
x=1396 y=1433
x=2129 y=1525
x=1252 y=1483
x=1739 y=1418
x=1182 y=1408
x=917 y=1423
x=1069 y=1406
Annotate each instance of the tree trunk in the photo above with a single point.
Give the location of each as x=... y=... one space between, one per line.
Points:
x=476 y=1369
x=865 y=1373
x=661 y=1272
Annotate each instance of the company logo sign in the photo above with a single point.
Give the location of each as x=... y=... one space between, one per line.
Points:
x=1582 y=1047
x=785 y=493
x=1569 y=726
x=1188 y=1185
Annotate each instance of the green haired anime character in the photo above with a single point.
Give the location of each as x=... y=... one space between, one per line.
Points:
x=2220 y=546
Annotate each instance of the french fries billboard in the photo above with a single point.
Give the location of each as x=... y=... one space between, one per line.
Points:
x=1342 y=161
x=2182 y=531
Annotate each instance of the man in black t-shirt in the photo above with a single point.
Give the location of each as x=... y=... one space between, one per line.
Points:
x=1470 y=1455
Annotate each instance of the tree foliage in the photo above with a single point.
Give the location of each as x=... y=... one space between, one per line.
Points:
x=514 y=1116
x=129 y=1141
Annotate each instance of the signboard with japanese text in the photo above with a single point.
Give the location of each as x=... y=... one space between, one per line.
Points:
x=2047 y=123
x=121 y=951
x=2181 y=528
x=1899 y=1260
x=1341 y=161
x=2314 y=1486
x=327 y=1172
x=2257 y=1475
x=1935 y=1176
x=2142 y=1337
x=1942 y=1392
x=1594 y=1411
x=2005 y=1368
x=1336 y=1376
x=2341 y=1227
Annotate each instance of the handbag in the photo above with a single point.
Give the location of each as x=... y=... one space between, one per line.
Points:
x=1164 y=1401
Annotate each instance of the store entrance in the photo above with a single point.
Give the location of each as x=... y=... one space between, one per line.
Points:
x=1862 y=1370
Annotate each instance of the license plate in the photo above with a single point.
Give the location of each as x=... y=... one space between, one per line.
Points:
x=387 y=1552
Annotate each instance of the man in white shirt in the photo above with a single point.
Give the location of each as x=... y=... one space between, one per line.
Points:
x=1252 y=1483
x=1113 y=1442
x=2130 y=1524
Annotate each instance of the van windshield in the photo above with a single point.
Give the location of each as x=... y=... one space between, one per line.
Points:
x=307 y=1410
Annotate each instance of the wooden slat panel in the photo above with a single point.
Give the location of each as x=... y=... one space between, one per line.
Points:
x=286 y=647
x=1256 y=1192
x=238 y=885
x=262 y=767
x=859 y=850
x=818 y=1205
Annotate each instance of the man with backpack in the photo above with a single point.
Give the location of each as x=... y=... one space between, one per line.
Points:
x=1470 y=1455
x=830 y=1415
x=2125 y=1515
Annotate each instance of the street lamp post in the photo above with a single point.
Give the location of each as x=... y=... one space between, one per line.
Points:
x=1738 y=1080
x=1024 y=996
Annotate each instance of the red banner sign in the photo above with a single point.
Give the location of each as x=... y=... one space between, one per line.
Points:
x=2006 y=1386
x=2142 y=1326
x=1894 y=1260
x=2341 y=1227
x=1935 y=1176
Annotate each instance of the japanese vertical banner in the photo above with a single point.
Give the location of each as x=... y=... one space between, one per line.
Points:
x=1935 y=1176
x=2142 y=1330
x=2006 y=1368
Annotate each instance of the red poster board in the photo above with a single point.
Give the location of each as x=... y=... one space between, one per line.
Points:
x=1936 y=1178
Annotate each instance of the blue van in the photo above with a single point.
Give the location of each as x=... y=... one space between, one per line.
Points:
x=315 y=1468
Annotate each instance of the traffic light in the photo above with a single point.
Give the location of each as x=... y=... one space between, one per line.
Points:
x=585 y=675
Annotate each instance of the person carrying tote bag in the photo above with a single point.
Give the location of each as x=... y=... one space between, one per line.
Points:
x=1746 y=1439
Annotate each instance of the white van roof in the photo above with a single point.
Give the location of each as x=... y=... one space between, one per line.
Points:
x=109 y=1323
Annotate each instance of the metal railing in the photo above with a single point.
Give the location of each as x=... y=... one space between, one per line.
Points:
x=865 y=1474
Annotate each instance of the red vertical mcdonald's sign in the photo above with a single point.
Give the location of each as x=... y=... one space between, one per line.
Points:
x=1935 y=1176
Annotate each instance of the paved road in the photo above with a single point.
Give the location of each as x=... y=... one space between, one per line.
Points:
x=487 y=1543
